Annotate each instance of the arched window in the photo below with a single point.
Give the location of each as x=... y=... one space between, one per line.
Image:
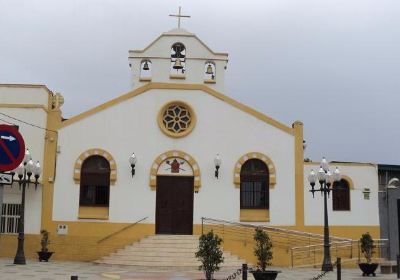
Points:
x=95 y=182
x=254 y=185
x=178 y=59
x=209 y=71
x=341 y=196
x=145 y=70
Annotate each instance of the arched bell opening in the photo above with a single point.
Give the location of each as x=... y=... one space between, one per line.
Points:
x=209 y=71
x=178 y=59
x=145 y=70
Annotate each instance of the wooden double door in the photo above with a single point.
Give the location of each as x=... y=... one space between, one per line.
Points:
x=174 y=205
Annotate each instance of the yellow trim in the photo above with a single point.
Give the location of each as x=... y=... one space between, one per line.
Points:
x=177 y=76
x=255 y=155
x=208 y=81
x=27 y=106
x=349 y=181
x=145 y=79
x=174 y=153
x=27 y=86
x=174 y=86
x=342 y=163
x=89 y=212
x=170 y=133
x=254 y=215
x=92 y=152
x=49 y=163
x=180 y=35
x=299 y=172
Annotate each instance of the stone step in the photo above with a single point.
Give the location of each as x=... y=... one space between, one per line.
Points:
x=165 y=252
x=176 y=258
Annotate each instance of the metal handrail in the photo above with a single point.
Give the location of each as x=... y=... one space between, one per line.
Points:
x=121 y=230
x=274 y=229
x=344 y=249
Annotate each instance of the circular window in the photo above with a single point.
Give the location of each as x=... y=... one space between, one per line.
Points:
x=176 y=119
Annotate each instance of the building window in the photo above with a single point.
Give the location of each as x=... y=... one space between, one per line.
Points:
x=9 y=218
x=95 y=182
x=254 y=185
x=178 y=60
x=341 y=196
x=176 y=119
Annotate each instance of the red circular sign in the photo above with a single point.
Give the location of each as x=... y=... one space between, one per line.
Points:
x=12 y=148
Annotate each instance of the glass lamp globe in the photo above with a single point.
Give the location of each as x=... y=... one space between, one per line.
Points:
x=27 y=156
x=37 y=169
x=329 y=177
x=321 y=175
x=30 y=166
x=20 y=170
x=336 y=175
x=133 y=159
x=217 y=161
x=324 y=164
x=312 y=177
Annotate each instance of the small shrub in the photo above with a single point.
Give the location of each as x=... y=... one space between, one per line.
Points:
x=44 y=242
x=262 y=248
x=209 y=254
x=367 y=246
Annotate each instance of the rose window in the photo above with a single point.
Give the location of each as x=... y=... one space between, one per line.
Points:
x=176 y=119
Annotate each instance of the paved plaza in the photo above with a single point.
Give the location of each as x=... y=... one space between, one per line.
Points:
x=64 y=270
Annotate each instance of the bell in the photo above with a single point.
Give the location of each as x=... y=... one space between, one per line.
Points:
x=177 y=64
x=209 y=70
x=146 y=66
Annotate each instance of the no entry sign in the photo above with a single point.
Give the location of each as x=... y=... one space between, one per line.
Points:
x=12 y=148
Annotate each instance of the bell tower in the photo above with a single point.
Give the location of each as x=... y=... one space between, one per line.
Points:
x=178 y=56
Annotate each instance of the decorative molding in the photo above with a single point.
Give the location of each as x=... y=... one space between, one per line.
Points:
x=24 y=106
x=255 y=155
x=93 y=152
x=175 y=154
x=170 y=133
x=349 y=181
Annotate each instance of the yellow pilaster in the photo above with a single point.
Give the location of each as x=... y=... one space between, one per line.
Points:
x=299 y=172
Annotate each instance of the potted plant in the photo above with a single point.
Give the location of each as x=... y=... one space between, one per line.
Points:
x=263 y=252
x=209 y=254
x=44 y=254
x=367 y=248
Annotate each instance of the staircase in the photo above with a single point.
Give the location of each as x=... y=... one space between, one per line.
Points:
x=165 y=253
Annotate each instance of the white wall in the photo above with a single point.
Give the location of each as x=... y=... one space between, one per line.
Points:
x=132 y=127
x=34 y=140
x=362 y=212
x=196 y=57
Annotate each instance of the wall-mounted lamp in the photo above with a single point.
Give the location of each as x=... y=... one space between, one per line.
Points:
x=366 y=192
x=132 y=161
x=217 y=162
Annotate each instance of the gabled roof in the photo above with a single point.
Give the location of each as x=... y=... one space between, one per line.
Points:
x=172 y=86
x=178 y=32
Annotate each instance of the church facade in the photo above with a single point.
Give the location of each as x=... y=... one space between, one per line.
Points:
x=171 y=151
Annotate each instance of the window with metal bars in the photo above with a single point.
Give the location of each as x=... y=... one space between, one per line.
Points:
x=9 y=218
x=254 y=185
x=95 y=182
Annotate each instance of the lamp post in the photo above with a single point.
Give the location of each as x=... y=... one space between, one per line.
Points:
x=217 y=163
x=24 y=172
x=132 y=161
x=325 y=178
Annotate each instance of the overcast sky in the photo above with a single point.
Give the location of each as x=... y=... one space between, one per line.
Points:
x=333 y=64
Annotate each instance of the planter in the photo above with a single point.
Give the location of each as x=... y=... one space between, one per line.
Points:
x=368 y=268
x=44 y=256
x=265 y=275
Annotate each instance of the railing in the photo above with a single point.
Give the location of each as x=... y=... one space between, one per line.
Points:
x=121 y=230
x=283 y=238
x=312 y=255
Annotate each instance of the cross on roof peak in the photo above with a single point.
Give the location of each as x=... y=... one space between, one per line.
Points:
x=179 y=16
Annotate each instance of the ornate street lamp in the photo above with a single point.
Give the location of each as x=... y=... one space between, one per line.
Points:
x=24 y=172
x=326 y=180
